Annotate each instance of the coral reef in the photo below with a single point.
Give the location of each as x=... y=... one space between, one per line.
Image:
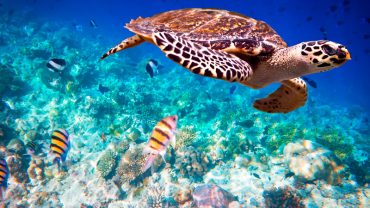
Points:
x=311 y=161
x=185 y=136
x=191 y=163
x=281 y=134
x=334 y=140
x=221 y=139
x=184 y=196
x=130 y=165
x=16 y=162
x=107 y=163
x=154 y=197
x=209 y=195
x=282 y=197
x=36 y=169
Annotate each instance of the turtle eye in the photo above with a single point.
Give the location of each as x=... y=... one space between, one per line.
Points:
x=329 y=50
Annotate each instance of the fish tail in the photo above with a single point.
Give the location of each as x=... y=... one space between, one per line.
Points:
x=149 y=162
x=57 y=162
x=2 y=190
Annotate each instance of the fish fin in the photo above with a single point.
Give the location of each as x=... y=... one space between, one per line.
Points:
x=127 y=43
x=291 y=95
x=173 y=141
x=148 y=150
x=148 y=163
x=202 y=60
x=2 y=197
x=163 y=153
x=57 y=161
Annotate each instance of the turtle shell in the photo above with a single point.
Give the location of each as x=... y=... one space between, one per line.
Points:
x=217 y=29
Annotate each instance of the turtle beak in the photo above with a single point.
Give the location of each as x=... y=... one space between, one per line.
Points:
x=348 y=56
x=343 y=53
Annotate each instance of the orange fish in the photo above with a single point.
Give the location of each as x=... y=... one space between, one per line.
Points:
x=162 y=135
x=4 y=175
x=60 y=145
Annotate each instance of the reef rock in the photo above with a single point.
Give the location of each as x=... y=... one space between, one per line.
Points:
x=192 y=163
x=209 y=195
x=310 y=161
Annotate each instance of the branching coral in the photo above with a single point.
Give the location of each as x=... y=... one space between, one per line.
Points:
x=192 y=163
x=281 y=134
x=336 y=141
x=130 y=165
x=282 y=197
x=185 y=136
x=155 y=197
x=106 y=163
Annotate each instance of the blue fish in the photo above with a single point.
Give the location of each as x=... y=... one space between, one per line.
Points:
x=4 y=175
x=103 y=89
x=311 y=82
x=232 y=89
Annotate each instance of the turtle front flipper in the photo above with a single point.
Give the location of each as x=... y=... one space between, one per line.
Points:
x=291 y=95
x=127 y=43
x=202 y=60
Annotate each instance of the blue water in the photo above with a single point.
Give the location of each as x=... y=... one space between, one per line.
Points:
x=246 y=152
x=346 y=23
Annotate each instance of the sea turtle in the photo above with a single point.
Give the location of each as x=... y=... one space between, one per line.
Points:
x=236 y=48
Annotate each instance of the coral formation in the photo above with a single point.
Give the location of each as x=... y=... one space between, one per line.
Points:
x=107 y=163
x=191 y=163
x=155 y=196
x=311 y=161
x=282 y=197
x=184 y=196
x=36 y=169
x=209 y=195
x=335 y=140
x=16 y=162
x=130 y=166
x=185 y=136
x=280 y=134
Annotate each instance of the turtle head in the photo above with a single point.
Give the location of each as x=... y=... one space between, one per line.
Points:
x=324 y=55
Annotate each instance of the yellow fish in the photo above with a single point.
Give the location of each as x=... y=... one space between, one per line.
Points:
x=4 y=175
x=60 y=145
x=162 y=135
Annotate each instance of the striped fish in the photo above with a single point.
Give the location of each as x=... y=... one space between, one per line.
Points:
x=162 y=135
x=60 y=145
x=4 y=175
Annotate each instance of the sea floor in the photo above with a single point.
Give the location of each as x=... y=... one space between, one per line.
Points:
x=316 y=156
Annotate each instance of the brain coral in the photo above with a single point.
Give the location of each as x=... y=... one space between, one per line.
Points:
x=310 y=161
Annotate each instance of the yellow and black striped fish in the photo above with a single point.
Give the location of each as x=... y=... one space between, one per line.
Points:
x=4 y=175
x=162 y=135
x=60 y=145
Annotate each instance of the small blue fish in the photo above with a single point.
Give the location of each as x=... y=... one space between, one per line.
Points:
x=232 y=89
x=93 y=24
x=311 y=82
x=103 y=89
x=4 y=175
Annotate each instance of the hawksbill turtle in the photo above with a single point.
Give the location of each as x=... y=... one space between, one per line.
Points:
x=236 y=48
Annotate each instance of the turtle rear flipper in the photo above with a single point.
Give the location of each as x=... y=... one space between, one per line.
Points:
x=201 y=60
x=127 y=43
x=291 y=95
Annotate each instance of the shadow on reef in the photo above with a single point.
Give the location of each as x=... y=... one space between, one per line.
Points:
x=10 y=84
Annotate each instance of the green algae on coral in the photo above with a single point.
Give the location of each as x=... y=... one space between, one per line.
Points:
x=107 y=163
